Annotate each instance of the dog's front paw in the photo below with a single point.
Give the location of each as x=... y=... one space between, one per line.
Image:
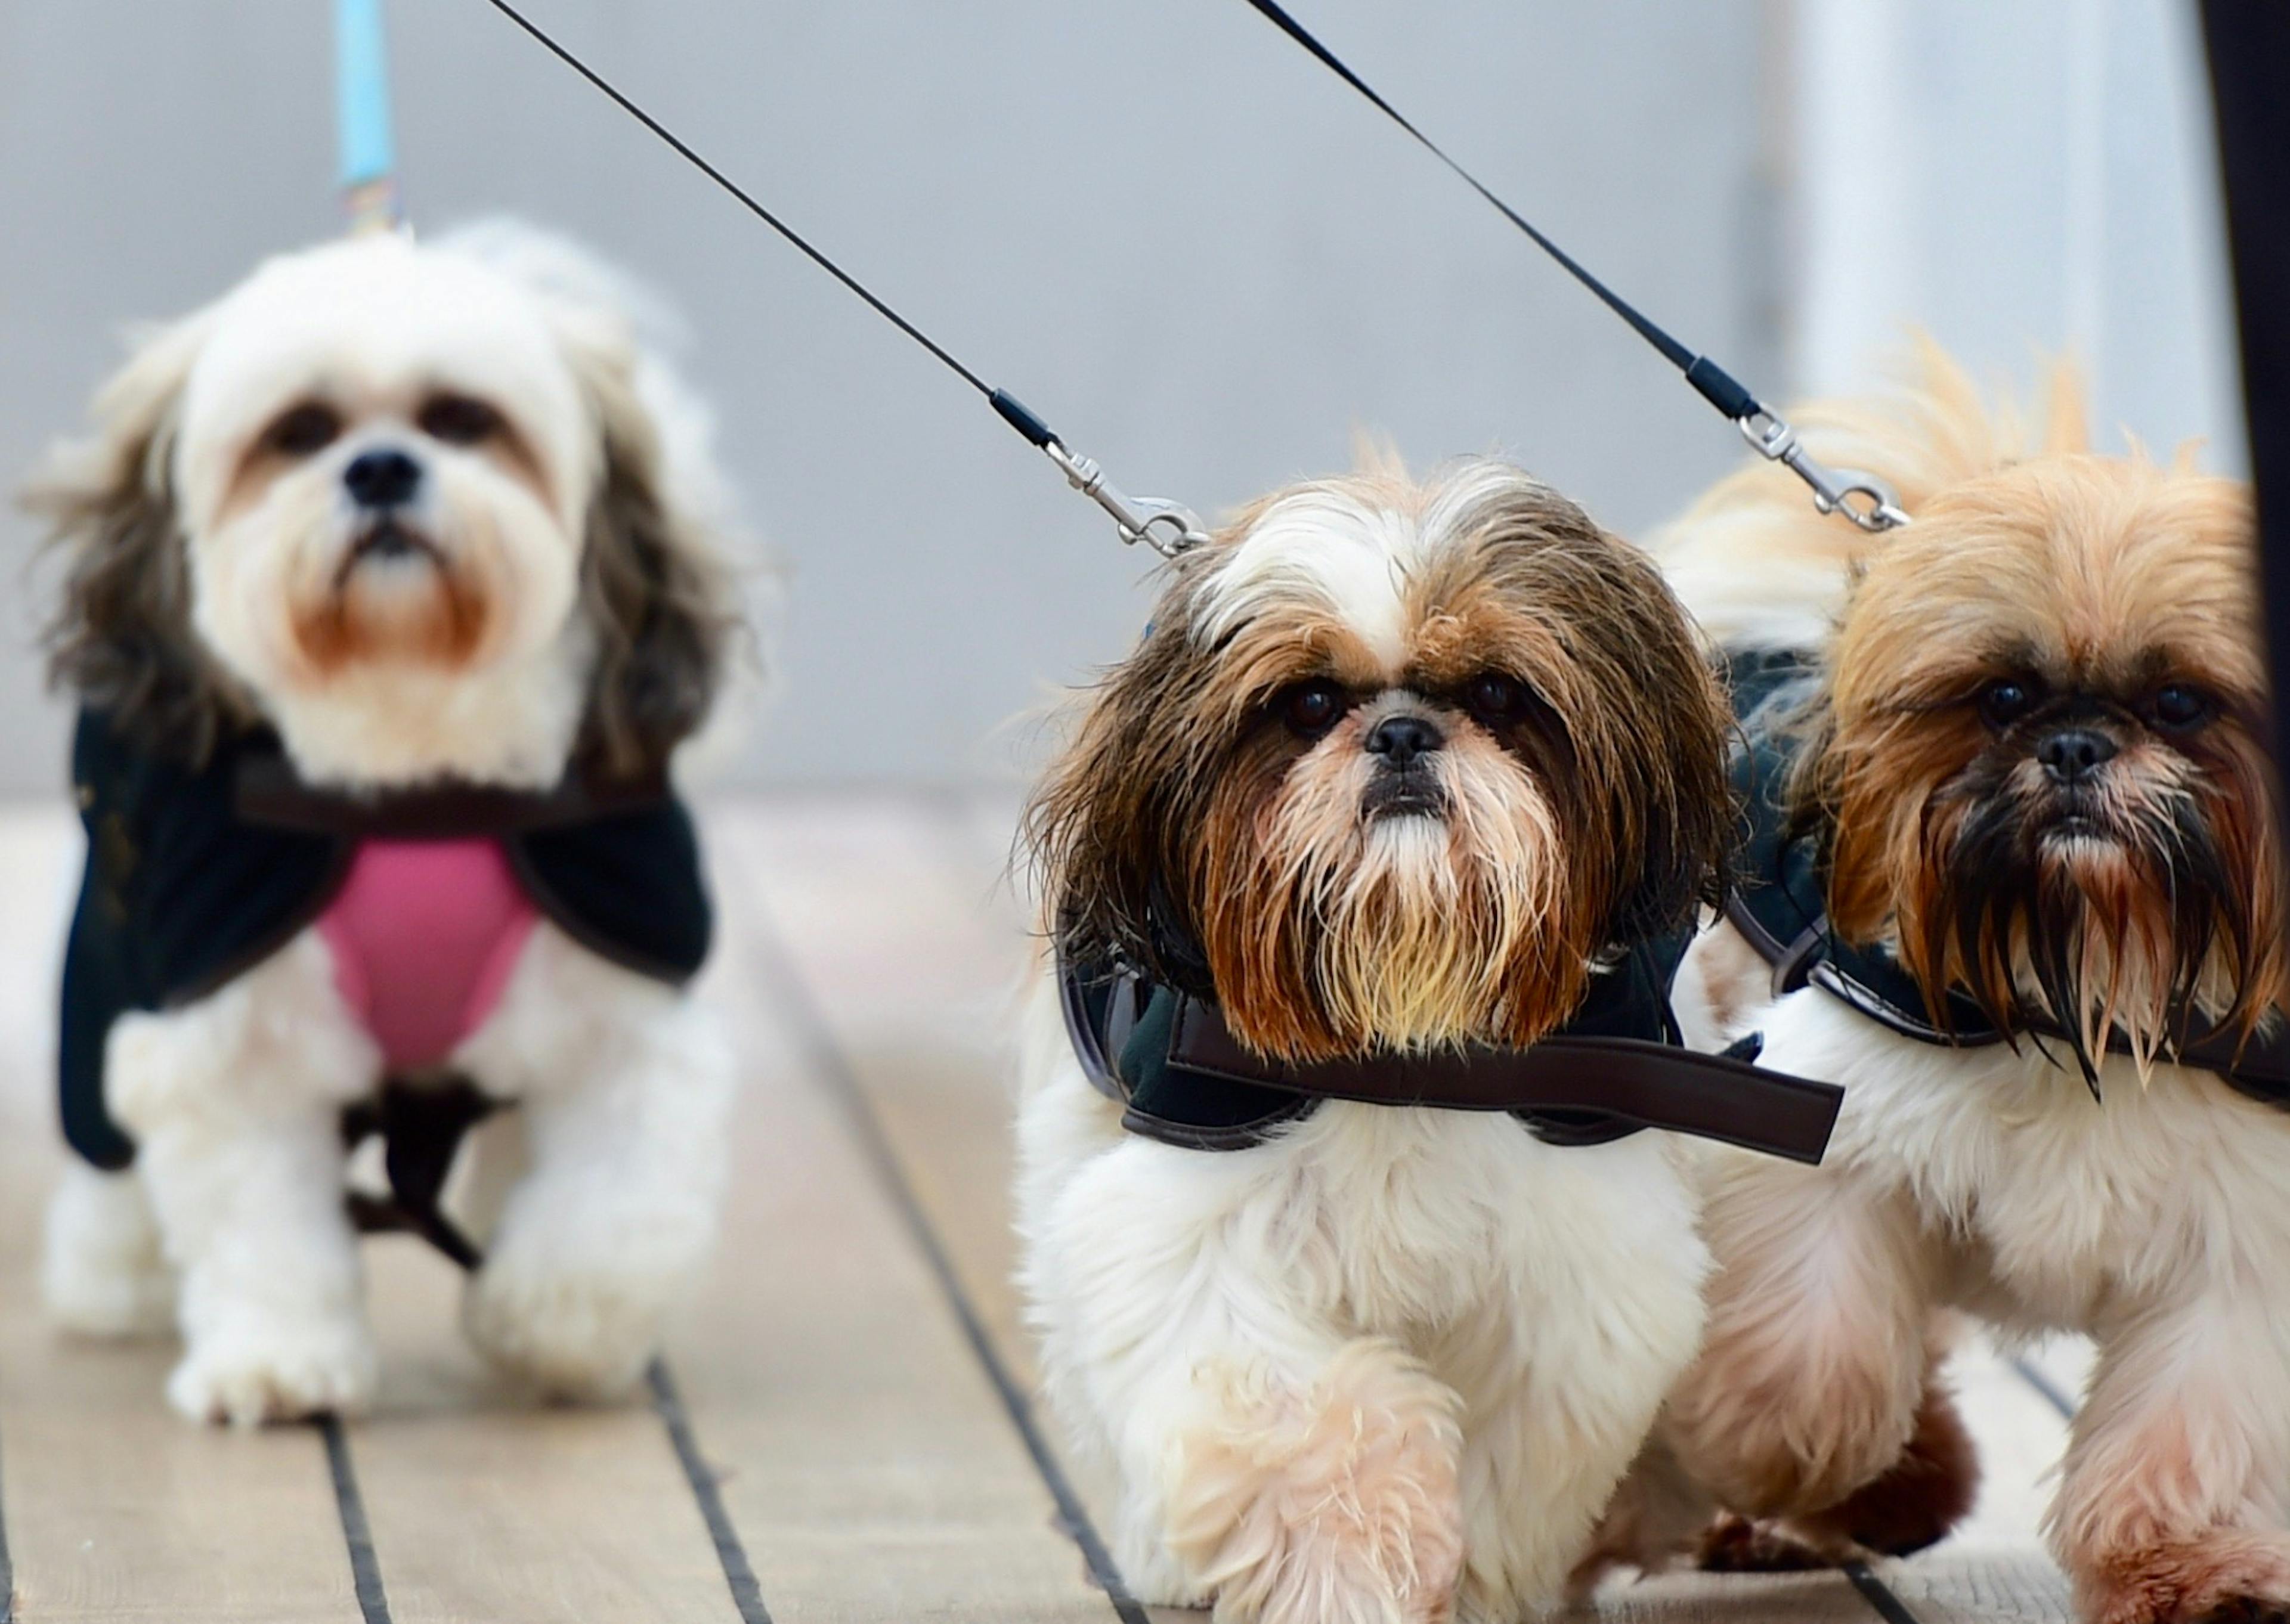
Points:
x=2225 y=1578
x=579 y=1328
x=272 y=1369
x=1340 y=1508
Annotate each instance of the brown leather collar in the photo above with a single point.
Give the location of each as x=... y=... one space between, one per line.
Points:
x=1568 y=1082
x=267 y=791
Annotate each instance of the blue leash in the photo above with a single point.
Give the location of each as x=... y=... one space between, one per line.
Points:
x=369 y=155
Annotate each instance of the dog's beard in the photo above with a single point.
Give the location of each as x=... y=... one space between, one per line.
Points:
x=1339 y=917
x=2133 y=919
x=389 y=591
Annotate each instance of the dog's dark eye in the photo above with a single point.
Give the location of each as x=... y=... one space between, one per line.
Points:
x=2005 y=701
x=1311 y=709
x=303 y=429
x=2178 y=706
x=459 y=420
x=1495 y=698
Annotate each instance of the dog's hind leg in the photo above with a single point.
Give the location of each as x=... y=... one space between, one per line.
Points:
x=101 y=1269
x=2175 y=1498
x=1809 y=1382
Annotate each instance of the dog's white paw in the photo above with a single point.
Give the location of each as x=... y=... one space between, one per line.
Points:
x=100 y=1269
x=273 y=1369
x=581 y=1328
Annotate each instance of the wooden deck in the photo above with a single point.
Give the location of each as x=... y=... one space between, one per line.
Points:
x=840 y=1430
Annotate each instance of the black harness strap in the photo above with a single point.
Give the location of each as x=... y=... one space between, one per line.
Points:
x=421 y=1128
x=1168 y=1059
x=196 y=873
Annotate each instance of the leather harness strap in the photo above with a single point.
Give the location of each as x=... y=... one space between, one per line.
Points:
x=1570 y=1088
x=267 y=791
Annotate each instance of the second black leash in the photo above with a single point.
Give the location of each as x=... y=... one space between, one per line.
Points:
x=1166 y=526
x=1858 y=497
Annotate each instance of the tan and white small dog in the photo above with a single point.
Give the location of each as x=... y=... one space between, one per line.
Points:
x=1397 y=764
x=432 y=513
x=2033 y=761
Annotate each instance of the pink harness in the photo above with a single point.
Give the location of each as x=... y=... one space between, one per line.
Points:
x=424 y=934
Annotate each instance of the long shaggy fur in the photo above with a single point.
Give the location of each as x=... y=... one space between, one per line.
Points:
x=657 y=589
x=2146 y=1209
x=1187 y=829
x=1387 y=1366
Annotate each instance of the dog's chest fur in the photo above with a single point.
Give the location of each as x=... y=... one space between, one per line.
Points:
x=2058 y=1212
x=1450 y=1231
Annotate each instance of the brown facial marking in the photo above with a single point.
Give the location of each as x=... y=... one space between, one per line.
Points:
x=293 y=434
x=471 y=423
x=441 y=621
x=1193 y=828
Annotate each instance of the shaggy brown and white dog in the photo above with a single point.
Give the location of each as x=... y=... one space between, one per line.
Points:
x=1397 y=766
x=2031 y=758
x=433 y=514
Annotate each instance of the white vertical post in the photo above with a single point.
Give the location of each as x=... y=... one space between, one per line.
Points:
x=1858 y=184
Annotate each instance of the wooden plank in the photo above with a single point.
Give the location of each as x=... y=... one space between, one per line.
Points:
x=2060 y=1368
x=2021 y=1437
x=116 y=1508
x=1996 y=1584
x=868 y=1466
x=485 y=1506
x=1731 y=1598
x=913 y=947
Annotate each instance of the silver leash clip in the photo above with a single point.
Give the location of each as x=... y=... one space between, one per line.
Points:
x=1167 y=527
x=1863 y=498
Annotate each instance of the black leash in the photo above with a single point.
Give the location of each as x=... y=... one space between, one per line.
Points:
x=1858 y=497
x=1165 y=526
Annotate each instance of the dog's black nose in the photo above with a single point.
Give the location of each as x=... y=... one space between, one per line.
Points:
x=2074 y=754
x=1400 y=739
x=381 y=478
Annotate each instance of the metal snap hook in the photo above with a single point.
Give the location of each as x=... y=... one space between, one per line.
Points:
x=1862 y=498
x=1169 y=528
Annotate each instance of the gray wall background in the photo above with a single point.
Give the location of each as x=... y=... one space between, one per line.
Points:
x=1159 y=223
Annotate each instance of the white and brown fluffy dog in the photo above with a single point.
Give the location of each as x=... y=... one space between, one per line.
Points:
x=433 y=512
x=1397 y=764
x=2033 y=761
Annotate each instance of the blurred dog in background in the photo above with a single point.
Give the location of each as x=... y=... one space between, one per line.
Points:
x=428 y=522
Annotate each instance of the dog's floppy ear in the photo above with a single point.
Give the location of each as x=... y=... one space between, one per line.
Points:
x=121 y=636
x=1112 y=829
x=1678 y=825
x=655 y=579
